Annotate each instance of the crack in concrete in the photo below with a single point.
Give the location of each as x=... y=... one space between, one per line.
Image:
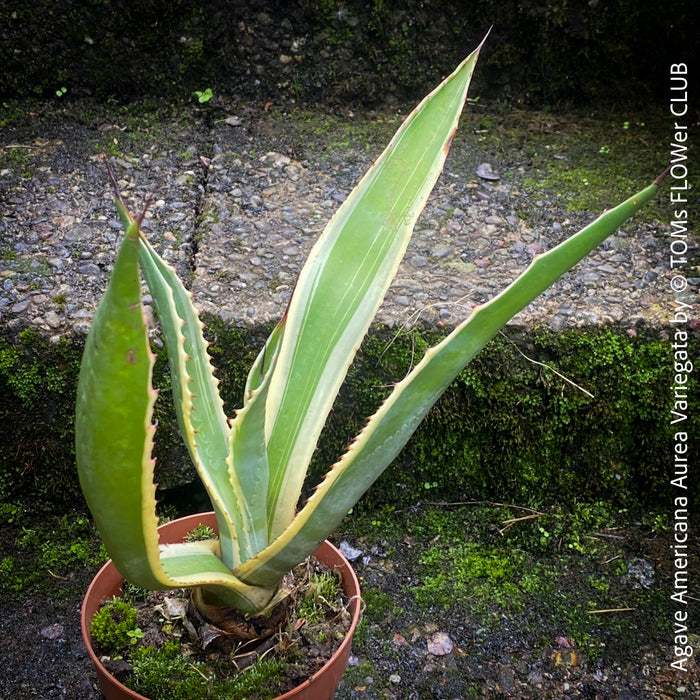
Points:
x=199 y=207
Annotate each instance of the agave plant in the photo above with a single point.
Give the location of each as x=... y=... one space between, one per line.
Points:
x=254 y=465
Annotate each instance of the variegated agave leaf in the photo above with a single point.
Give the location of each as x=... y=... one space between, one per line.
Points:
x=254 y=466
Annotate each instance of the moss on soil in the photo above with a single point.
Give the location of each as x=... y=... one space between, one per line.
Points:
x=508 y=594
x=167 y=661
x=41 y=551
x=519 y=597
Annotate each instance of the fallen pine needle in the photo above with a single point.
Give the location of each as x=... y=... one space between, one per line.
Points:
x=609 y=610
x=60 y=578
x=509 y=523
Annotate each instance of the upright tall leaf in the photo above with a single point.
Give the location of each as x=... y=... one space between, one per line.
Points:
x=393 y=424
x=343 y=284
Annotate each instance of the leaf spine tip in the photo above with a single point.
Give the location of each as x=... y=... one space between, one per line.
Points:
x=448 y=143
x=663 y=176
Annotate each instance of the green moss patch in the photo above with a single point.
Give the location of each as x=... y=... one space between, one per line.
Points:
x=508 y=429
x=43 y=554
x=160 y=647
x=483 y=574
x=582 y=161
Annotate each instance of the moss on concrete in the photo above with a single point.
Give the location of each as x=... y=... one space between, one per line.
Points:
x=508 y=429
x=37 y=383
x=511 y=429
x=582 y=161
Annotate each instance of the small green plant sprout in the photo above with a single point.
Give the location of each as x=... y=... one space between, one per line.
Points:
x=61 y=91
x=599 y=583
x=660 y=523
x=9 y=512
x=203 y=96
x=254 y=465
x=320 y=596
x=201 y=532
x=135 y=635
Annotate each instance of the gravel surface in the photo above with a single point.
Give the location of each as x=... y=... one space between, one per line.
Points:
x=240 y=196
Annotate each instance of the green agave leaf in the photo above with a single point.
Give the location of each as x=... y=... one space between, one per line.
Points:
x=248 y=455
x=114 y=440
x=199 y=408
x=197 y=564
x=398 y=417
x=113 y=428
x=232 y=462
x=343 y=283
x=263 y=363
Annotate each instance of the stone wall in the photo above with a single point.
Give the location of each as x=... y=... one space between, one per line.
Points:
x=352 y=53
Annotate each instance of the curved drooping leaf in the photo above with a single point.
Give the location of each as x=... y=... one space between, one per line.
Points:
x=198 y=406
x=390 y=428
x=114 y=439
x=198 y=564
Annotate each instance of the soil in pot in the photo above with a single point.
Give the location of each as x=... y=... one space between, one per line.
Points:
x=157 y=644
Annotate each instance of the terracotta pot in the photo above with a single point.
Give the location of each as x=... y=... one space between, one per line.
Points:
x=321 y=686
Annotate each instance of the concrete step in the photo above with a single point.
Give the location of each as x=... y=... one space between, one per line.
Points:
x=240 y=196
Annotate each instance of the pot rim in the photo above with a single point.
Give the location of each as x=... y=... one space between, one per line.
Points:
x=348 y=575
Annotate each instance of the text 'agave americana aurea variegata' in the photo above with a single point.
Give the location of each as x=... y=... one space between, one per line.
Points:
x=254 y=465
